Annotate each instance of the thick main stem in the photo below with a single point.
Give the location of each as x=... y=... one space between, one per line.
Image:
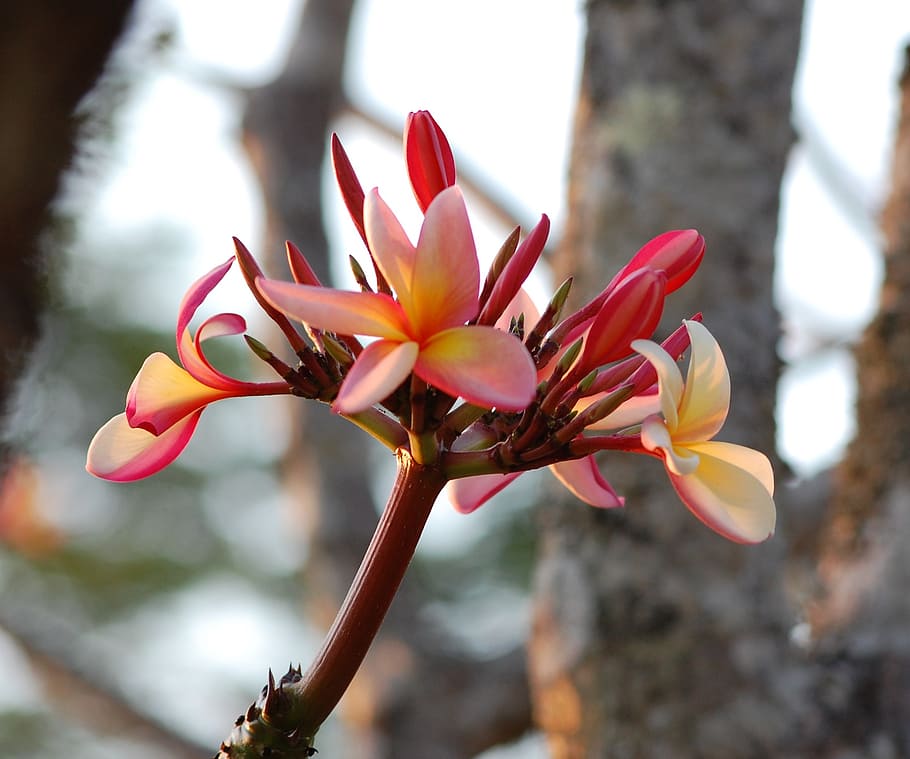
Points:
x=371 y=593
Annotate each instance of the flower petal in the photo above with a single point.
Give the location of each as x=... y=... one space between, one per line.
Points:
x=339 y=311
x=194 y=297
x=389 y=244
x=669 y=379
x=470 y=493
x=483 y=365
x=122 y=453
x=446 y=279
x=163 y=393
x=725 y=493
x=633 y=411
x=656 y=437
x=706 y=399
x=583 y=479
x=378 y=370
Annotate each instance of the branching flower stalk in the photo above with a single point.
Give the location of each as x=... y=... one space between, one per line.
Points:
x=465 y=382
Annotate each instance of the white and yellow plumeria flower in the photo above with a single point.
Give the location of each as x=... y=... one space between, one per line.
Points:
x=728 y=487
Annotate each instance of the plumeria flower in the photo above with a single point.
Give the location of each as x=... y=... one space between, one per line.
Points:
x=728 y=487
x=425 y=329
x=165 y=401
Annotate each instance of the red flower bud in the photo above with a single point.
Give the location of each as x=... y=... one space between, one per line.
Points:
x=431 y=165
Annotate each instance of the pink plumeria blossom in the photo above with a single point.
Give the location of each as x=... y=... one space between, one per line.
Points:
x=728 y=487
x=425 y=330
x=165 y=400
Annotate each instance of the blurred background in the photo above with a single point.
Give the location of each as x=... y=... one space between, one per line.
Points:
x=138 y=620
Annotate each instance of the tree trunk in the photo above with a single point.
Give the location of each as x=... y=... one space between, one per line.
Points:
x=652 y=634
x=51 y=54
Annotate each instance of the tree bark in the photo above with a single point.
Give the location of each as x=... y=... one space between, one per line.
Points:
x=51 y=54
x=652 y=634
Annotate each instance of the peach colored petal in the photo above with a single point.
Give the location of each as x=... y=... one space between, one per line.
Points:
x=754 y=462
x=729 y=499
x=446 y=279
x=483 y=365
x=389 y=244
x=583 y=479
x=470 y=493
x=163 y=393
x=706 y=399
x=122 y=453
x=340 y=311
x=656 y=437
x=378 y=370
x=633 y=411
x=669 y=379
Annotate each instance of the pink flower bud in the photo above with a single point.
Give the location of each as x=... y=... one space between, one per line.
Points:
x=431 y=165
x=630 y=312
x=677 y=253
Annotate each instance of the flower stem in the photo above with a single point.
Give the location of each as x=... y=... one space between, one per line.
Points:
x=312 y=699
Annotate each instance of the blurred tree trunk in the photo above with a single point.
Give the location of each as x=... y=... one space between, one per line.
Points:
x=654 y=637
x=416 y=696
x=51 y=54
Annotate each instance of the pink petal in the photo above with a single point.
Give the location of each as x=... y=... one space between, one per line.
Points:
x=483 y=365
x=340 y=311
x=122 y=453
x=446 y=279
x=583 y=479
x=389 y=244
x=725 y=493
x=350 y=187
x=194 y=297
x=163 y=393
x=378 y=370
x=470 y=493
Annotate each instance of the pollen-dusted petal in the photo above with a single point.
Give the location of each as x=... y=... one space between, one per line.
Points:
x=483 y=365
x=669 y=379
x=339 y=311
x=706 y=399
x=583 y=479
x=446 y=279
x=163 y=393
x=378 y=370
x=656 y=437
x=470 y=493
x=729 y=499
x=389 y=244
x=122 y=453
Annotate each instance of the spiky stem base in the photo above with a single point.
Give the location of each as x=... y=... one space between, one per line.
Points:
x=283 y=722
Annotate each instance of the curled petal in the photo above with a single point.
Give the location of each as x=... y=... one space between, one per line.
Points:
x=122 y=453
x=194 y=297
x=706 y=399
x=378 y=370
x=730 y=491
x=446 y=279
x=483 y=365
x=669 y=379
x=583 y=479
x=193 y=358
x=163 y=393
x=655 y=437
x=339 y=311
x=470 y=493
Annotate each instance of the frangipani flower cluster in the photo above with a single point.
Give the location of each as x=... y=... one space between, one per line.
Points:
x=462 y=373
